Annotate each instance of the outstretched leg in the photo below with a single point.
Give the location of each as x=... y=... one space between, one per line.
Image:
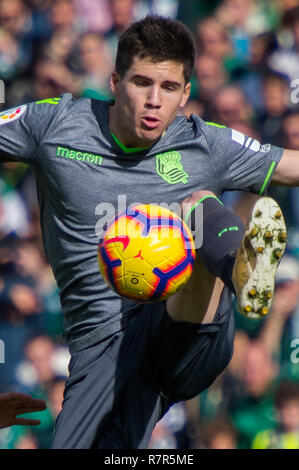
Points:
x=245 y=260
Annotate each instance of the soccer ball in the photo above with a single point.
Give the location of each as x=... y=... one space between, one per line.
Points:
x=146 y=254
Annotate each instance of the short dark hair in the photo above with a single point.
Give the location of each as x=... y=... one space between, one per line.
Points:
x=287 y=391
x=158 y=38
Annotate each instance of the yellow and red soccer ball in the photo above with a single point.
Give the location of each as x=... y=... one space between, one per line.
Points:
x=147 y=253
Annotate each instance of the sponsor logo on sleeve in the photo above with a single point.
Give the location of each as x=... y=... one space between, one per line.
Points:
x=249 y=143
x=12 y=114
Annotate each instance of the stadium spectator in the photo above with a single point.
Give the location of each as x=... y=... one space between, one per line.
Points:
x=44 y=284
x=254 y=410
x=193 y=107
x=210 y=77
x=63 y=16
x=11 y=62
x=286 y=59
x=96 y=16
x=21 y=312
x=213 y=39
x=14 y=17
x=231 y=108
x=279 y=329
x=43 y=373
x=235 y=15
x=288 y=197
x=250 y=78
x=291 y=137
x=96 y=66
x=290 y=129
x=60 y=47
x=286 y=433
x=122 y=13
x=218 y=434
x=52 y=78
x=190 y=12
x=13 y=212
x=55 y=395
x=276 y=104
x=18 y=39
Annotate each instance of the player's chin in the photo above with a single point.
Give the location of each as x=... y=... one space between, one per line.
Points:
x=151 y=135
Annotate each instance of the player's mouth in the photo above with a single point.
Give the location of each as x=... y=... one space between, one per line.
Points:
x=150 y=122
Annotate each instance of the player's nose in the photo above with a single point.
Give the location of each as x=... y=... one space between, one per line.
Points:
x=154 y=97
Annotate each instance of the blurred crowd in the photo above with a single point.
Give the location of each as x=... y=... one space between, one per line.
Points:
x=246 y=77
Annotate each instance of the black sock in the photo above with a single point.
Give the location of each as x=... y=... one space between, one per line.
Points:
x=221 y=232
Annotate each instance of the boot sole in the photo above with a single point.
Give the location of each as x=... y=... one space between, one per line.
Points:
x=263 y=246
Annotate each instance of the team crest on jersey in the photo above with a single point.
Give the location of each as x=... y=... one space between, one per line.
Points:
x=170 y=168
x=12 y=114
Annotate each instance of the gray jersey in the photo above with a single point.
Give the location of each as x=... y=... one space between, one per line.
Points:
x=82 y=175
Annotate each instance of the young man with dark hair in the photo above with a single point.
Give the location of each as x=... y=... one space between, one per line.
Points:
x=130 y=362
x=163 y=40
x=285 y=435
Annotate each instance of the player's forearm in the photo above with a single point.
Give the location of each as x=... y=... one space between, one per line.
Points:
x=287 y=171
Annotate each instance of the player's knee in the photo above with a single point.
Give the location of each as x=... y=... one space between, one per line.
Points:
x=189 y=201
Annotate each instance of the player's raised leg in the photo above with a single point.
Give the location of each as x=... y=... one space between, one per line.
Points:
x=221 y=235
x=245 y=260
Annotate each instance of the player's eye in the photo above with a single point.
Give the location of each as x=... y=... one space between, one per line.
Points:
x=170 y=87
x=141 y=83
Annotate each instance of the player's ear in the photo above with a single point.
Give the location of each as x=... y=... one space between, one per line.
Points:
x=114 y=83
x=186 y=95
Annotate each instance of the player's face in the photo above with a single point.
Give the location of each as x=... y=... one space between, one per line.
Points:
x=147 y=99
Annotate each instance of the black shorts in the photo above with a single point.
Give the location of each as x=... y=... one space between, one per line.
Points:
x=118 y=389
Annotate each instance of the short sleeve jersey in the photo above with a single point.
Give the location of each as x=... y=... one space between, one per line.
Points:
x=84 y=177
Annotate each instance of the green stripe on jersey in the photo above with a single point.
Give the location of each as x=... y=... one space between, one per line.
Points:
x=49 y=101
x=270 y=171
x=128 y=149
x=214 y=124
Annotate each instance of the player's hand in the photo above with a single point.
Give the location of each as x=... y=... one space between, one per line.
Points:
x=13 y=404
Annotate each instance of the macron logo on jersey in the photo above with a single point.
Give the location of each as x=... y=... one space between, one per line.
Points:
x=248 y=142
x=12 y=114
x=79 y=155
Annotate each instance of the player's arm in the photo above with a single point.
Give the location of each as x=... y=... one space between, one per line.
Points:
x=239 y=161
x=17 y=134
x=287 y=170
x=22 y=129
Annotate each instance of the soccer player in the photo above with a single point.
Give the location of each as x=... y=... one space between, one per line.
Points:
x=130 y=362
